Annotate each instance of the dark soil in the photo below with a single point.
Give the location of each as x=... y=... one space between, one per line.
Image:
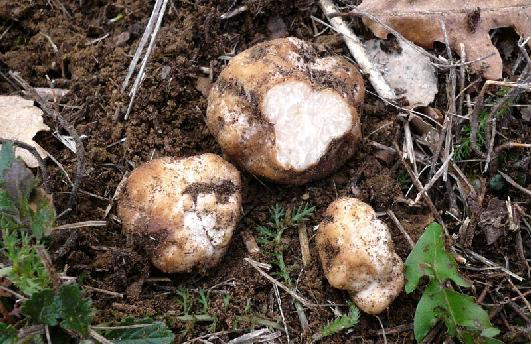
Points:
x=168 y=119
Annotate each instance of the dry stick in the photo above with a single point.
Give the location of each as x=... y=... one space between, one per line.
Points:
x=401 y=228
x=48 y=265
x=143 y=41
x=82 y=224
x=141 y=72
x=491 y=118
x=14 y=293
x=462 y=70
x=518 y=311
x=490 y=263
x=418 y=185
x=435 y=177
x=527 y=304
x=80 y=150
x=37 y=156
x=256 y=266
x=356 y=49
x=98 y=337
x=515 y=184
x=279 y=302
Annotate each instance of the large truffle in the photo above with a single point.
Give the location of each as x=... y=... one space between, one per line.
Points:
x=182 y=211
x=284 y=112
x=357 y=254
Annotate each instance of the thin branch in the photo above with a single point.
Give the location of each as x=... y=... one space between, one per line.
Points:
x=515 y=184
x=256 y=266
x=357 y=50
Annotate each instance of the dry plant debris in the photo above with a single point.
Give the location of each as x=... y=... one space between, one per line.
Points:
x=20 y=120
x=466 y=21
x=406 y=70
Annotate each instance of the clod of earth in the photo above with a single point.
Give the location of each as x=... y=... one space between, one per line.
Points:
x=357 y=254
x=283 y=112
x=182 y=211
x=466 y=22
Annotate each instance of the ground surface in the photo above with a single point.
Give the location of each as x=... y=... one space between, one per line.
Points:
x=168 y=119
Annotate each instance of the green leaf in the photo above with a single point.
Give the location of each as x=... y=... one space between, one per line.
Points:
x=463 y=318
x=154 y=332
x=429 y=258
x=75 y=310
x=26 y=272
x=342 y=323
x=7 y=156
x=426 y=314
x=41 y=308
x=8 y=334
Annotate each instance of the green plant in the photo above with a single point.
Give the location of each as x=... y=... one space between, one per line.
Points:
x=129 y=331
x=462 y=148
x=26 y=216
x=341 y=323
x=226 y=300
x=463 y=318
x=204 y=301
x=184 y=299
x=270 y=236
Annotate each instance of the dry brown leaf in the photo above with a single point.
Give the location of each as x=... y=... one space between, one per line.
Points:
x=20 y=120
x=466 y=21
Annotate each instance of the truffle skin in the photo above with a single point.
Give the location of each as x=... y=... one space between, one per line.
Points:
x=182 y=211
x=357 y=255
x=285 y=113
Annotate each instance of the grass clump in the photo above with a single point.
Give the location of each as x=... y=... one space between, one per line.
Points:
x=270 y=236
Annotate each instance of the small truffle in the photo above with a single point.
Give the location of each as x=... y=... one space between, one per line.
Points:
x=283 y=112
x=182 y=211
x=357 y=254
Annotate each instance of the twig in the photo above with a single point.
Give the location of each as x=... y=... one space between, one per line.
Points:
x=279 y=302
x=401 y=228
x=358 y=52
x=490 y=263
x=37 y=156
x=418 y=185
x=305 y=246
x=527 y=304
x=383 y=329
x=263 y=335
x=515 y=91
x=98 y=337
x=119 y=189
x=515 y=184
x=256 y=266
x=14 y=293
x=82 y=224
x=435 y=177
x=233 y=13
x=103 y=291
x=80 y=150
x=158 y=12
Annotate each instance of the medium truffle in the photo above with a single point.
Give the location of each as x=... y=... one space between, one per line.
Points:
x=284 y=112
x=357 y=254
x=182 y=211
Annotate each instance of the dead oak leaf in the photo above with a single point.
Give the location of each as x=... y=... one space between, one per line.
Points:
x=466 y=21
x=20 y=120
